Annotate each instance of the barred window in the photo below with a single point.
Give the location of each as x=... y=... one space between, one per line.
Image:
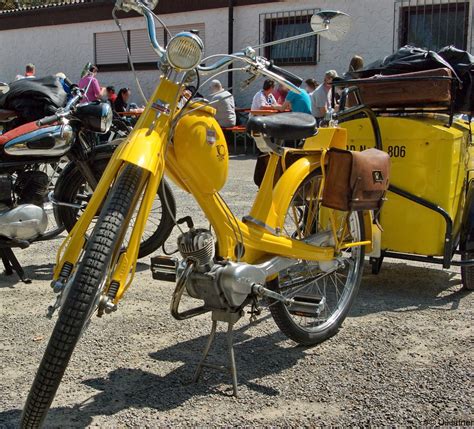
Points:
x=433 y=24
x=279 y=25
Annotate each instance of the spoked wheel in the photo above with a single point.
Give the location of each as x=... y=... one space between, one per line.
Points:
x=84 y=290
x=330 y=286
x=74 y=189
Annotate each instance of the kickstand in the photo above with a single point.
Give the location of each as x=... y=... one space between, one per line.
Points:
x=231 y=319
x=10 y=262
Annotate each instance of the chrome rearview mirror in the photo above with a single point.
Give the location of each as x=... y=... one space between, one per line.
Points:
x=331 y=24
x=135 y=5
x=4 y=88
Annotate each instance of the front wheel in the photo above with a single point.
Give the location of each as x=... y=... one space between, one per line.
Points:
x=72 y=188
x=84 y=289
x=332 y=286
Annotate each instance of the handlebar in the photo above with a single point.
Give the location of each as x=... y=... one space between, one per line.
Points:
x=48 y=120
x=61 y=113
x=290 y=77
x=257 y=65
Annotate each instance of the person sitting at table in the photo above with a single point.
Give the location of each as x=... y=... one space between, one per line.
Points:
x=224 y=103
x=297 y=102
x=264 y=99
x=121 y=103
x=280 y=93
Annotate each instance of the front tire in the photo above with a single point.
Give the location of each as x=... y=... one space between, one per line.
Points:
x=334 y=288
x=83 y=293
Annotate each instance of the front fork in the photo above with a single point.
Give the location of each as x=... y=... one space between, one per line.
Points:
x=72 y=248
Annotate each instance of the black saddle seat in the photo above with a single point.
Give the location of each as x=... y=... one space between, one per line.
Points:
x=284 y=126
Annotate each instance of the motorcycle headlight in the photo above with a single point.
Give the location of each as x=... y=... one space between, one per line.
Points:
x=95 y=116
x=184 y=51
x=107 y=118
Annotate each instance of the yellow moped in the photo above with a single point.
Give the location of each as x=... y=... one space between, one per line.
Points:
x=305 y=259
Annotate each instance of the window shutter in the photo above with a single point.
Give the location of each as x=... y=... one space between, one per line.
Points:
x=109 y=48
x=140 y=46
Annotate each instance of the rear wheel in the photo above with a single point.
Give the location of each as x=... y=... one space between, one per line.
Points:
x=84 y=290
x=332 y=286
x=467 y=273
x=73 y=189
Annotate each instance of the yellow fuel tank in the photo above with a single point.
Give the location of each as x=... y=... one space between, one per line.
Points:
x=428 y=160
x=201 y=150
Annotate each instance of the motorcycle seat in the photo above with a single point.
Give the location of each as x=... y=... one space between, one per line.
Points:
x=7 y=115
x=283 y=126
x=17 y=132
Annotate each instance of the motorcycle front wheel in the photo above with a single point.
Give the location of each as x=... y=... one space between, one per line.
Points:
x=84 y=289
x=73 y=188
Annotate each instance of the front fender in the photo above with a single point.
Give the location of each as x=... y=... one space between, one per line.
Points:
x=142 y=148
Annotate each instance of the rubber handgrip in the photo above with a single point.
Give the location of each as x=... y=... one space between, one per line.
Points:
x=47 y=120
x=295 y=80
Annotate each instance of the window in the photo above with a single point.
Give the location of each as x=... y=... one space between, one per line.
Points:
x=433 y=24
x=111 y=54
x=276 y=26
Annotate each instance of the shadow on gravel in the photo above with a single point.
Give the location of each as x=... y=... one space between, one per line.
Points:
x=34 y=272
x=126 y=388
x=43 y=272
x=401 y=287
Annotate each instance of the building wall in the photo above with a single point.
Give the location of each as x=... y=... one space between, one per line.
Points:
x=68 y=47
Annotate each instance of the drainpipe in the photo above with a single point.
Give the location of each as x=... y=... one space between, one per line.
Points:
x=230 y=39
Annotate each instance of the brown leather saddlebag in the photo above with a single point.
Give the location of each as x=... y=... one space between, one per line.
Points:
x=356 y=180
x=427 y=88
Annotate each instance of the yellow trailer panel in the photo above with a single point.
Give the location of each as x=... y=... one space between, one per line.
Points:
x=429 y=160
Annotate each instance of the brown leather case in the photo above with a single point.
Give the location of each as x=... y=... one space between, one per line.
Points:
x=388 y=92
x=356 y=180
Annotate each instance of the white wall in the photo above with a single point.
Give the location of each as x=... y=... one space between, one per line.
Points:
x=68 y=47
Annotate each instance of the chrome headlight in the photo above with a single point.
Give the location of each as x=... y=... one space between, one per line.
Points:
x=184 y=51
x=107 y=118
x=95 y=116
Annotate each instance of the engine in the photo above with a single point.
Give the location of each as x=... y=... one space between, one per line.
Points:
x=221 y=285
x=21 y=205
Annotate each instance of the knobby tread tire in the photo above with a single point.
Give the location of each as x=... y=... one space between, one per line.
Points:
x=81 y=297
x=68 y=187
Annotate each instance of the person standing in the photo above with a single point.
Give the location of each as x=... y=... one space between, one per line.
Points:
x=224 y=103
x=321 y=97
x=91 y=85
x=264 y=99
x=310 y=85
x=30 y=71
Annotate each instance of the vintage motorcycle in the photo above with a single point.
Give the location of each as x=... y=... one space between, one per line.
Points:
x=304 y=258
x=29 y=168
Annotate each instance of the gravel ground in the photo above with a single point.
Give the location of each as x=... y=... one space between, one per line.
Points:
x=404 y=355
